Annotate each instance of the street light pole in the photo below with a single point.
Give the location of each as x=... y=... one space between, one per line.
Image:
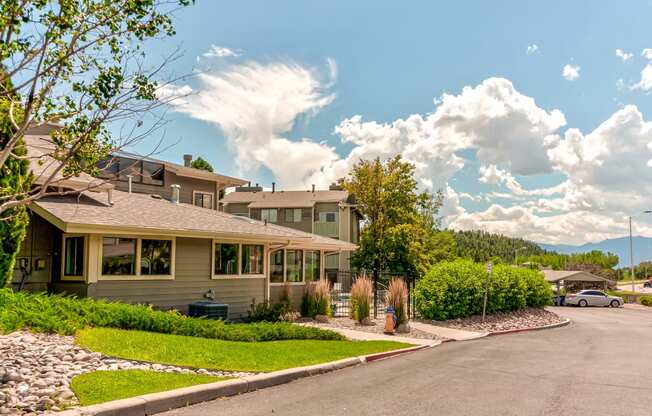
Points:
x=516 y=255
x=631 y=254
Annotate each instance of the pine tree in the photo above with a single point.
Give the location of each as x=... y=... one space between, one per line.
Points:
x=202 y=164
x=15 y=178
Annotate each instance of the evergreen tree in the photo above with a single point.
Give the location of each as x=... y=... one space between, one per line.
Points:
x=15 y=178
x=202 y=164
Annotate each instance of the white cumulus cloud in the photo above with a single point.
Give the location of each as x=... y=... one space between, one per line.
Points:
x=221 y=52
x=645 y=84
x=625 y=56
x=570 y=72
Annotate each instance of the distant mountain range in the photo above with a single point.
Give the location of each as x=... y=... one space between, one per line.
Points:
x=618 y=246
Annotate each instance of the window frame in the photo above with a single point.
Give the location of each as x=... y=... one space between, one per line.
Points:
x=303 y=266
x=325 y=213
x=294 y=211
x=212 y=194
x=239 y=275
x=138 y=276
x=84 y=275
x=267 y=219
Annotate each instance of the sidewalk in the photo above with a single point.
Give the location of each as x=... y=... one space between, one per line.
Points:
x=444 y=332
x=371 y=336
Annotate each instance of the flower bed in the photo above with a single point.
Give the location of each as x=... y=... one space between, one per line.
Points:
x=377 y=326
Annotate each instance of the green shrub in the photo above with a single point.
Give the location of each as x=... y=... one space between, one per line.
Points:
x=269 y=312
x=645 y=300
x=361 y=295
x=316 y=299
x=456 y=289
x=65 y=315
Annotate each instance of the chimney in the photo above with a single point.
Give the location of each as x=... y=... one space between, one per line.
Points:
x=130 y=179
x=273 y=187
x=176 y=189
x=313 y=188
x=187 y=160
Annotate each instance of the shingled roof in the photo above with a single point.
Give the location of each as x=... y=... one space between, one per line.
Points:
x=141 y=213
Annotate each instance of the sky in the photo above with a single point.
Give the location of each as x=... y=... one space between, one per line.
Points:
x=534 y=119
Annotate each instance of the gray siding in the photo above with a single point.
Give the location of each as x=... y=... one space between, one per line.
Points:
x=192 y=281
x=237 y=208
x=42 y=241
x=304 y=225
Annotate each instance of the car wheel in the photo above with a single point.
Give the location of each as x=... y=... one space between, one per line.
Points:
x=582 y=303
x=615 y=304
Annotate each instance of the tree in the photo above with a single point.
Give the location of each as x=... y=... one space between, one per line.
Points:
x=15 y=179
x=78 y=64
x=202 y=164
x=400 y=233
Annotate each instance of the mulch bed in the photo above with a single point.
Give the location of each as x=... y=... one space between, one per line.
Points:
x=503 y=321
x=377 y=326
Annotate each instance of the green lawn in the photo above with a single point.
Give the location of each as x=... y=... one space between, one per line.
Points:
x=104 y=386
x=223 y=355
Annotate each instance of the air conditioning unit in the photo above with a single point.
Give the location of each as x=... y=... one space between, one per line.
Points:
x=208 y=309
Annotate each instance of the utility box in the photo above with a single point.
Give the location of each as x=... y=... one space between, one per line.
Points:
x=208 y=309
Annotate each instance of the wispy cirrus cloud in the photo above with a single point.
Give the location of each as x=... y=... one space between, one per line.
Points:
x=222 y=52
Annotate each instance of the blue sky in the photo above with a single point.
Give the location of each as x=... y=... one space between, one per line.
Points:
x=395 y=60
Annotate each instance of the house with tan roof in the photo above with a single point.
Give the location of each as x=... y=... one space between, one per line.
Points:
x=331 y=213
x=150 y=232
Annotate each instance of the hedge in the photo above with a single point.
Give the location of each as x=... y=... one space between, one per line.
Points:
x=456 y=290
x=65 y=315
x=645 y=300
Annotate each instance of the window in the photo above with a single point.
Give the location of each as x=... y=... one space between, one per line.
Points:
x=252 y=259
x=312 y=266
x=295 y=266
x=109 y=168
x=293 y=214
x=226 y=259
x=153 y=173
x=156 y=257
x=269 y=214
x=328 y=217
x=118 y=256
x=73 y=257
x=276 y=267
x=131 y=167
x=203 y=199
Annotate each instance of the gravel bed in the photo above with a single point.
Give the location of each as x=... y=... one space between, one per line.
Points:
x=502 y=321
x=36 y=370
x=377 y=326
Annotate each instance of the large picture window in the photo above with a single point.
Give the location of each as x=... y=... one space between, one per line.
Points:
x=294 y=266
x=269 y=214
x=276 y=267
x=293 y=214
x=118 y=256
x=73 y=256
x=155 y=257
x=226 y=259
x=312 y=266
x=253 y=257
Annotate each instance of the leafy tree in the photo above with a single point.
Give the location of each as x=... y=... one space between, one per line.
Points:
x=202 y=164
x=401 y=228
x=482 y=246
x=79 y=64
x=15 y=179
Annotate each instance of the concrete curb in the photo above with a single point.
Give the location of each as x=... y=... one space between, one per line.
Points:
x=536 y=328
x=149 y=404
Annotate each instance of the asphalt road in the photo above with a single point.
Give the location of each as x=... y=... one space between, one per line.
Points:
x=599 y=365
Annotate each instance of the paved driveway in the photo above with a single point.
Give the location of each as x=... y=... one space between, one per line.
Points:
x=599 y=365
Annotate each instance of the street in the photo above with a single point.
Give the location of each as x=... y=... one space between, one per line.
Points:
x=598 y=365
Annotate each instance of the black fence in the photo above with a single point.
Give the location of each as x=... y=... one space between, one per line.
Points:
x=341 y=291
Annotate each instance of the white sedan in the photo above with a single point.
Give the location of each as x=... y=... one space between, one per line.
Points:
x=593 y=298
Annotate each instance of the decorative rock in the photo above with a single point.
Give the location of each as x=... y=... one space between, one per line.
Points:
x=36 y=370
x=403 y=328
x=321 y=318
x=366 y=321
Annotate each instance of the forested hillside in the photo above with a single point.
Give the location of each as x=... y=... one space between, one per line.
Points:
x=484 y=246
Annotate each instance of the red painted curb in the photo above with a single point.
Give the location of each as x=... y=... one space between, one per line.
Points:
x=536 y=328
x=381 y=355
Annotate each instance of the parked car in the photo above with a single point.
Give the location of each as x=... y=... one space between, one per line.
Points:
x=648 y=284
x=593 y=298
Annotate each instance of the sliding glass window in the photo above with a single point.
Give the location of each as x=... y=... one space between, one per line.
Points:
x=156 y=257
x=226 y=259
x=295 y=266
x=118 y=256
x=253 y=257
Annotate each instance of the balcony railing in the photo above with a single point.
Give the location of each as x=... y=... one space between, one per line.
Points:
x=327 y=229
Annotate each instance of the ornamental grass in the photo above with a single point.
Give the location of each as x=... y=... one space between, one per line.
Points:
x=316 y=299
x=396 y=297
x=361 y=296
